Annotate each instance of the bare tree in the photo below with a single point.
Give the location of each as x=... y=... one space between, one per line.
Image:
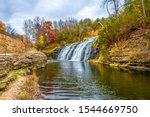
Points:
x=105 y=3
x=115 y=5
x=28 y=28
x=10 y=30
x=143 y=8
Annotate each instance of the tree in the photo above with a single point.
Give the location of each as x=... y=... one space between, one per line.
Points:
x=37 y=24
x=115 y=5
x=96 y=24
x=10 y=30
x=2 y=26
x=24 y=41
x=143 y=8
x=55 y=25
x=48 y=32
x=28 y=28
x=42 y=40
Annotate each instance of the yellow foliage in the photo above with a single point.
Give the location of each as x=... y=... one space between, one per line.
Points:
x=101 y=58
x=41 y=39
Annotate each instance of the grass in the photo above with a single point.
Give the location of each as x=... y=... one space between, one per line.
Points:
x=26 y=87
x=12 y=76
x=31 y=50
x=50 y=51
x=147 y=35
x=93 y=61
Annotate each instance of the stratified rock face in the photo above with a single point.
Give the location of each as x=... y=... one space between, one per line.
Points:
x=10 y=45
x=94 y=53
x=15 y=62
x=133 y=50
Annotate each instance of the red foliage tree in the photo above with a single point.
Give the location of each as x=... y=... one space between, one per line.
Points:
x=52 y=35
x=48 y=32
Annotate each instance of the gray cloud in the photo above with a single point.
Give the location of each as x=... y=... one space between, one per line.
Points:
x=15 y=12
x=9 y=7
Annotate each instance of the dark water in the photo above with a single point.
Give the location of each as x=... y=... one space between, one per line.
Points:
x=80 y=80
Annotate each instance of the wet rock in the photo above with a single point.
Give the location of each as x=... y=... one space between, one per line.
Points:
x=94 y=53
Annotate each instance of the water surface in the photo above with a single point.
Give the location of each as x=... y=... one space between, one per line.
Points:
x=70 y=80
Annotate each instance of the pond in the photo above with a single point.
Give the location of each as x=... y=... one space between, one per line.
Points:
x=72 y=80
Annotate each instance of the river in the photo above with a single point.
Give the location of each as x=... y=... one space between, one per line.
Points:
x=76 y=80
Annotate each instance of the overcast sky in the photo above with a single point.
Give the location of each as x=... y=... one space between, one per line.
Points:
x=14 y=12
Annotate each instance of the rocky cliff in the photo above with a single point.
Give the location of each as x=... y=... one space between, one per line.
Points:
x=13 y=62
x=17 y=61
x=133 y=51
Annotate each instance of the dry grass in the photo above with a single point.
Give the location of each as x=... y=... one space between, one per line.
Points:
x=25 y=87
x=135 y=48
x=10 y=45
x=29 y=89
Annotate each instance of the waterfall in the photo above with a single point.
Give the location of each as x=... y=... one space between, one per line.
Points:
x=77 y=51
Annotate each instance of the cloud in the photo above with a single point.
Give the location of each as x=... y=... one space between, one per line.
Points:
x=61 y=8
x=15 y=12
x=92 y=11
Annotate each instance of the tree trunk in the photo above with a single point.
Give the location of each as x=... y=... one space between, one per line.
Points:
x=143 y=8
x=115 y=6
x=107 y=8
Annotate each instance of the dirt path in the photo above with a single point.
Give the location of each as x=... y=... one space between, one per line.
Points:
x=22 y=89
x=14 y=88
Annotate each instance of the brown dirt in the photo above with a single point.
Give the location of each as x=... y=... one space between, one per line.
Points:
x=10 y=45
x=20 y=89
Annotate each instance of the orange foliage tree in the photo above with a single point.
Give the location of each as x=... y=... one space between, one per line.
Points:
x=25 y=42
x=2 y=26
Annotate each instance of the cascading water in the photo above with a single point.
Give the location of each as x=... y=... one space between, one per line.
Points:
x=77 y=51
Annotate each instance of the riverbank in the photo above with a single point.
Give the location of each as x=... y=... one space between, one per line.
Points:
x=132 y=52
x=25 y=87
x=17 y=78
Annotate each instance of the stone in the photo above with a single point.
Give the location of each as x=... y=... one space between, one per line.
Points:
x=15 y=62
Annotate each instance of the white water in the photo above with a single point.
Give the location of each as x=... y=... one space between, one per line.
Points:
x=77 y=51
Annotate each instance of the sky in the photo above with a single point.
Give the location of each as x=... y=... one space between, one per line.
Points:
x=14 y=12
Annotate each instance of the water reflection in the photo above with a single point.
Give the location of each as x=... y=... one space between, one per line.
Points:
x=75 y=69
x=80 y=80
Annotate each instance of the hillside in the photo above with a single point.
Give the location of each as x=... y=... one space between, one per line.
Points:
x=10 y=44
x=133 y=51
